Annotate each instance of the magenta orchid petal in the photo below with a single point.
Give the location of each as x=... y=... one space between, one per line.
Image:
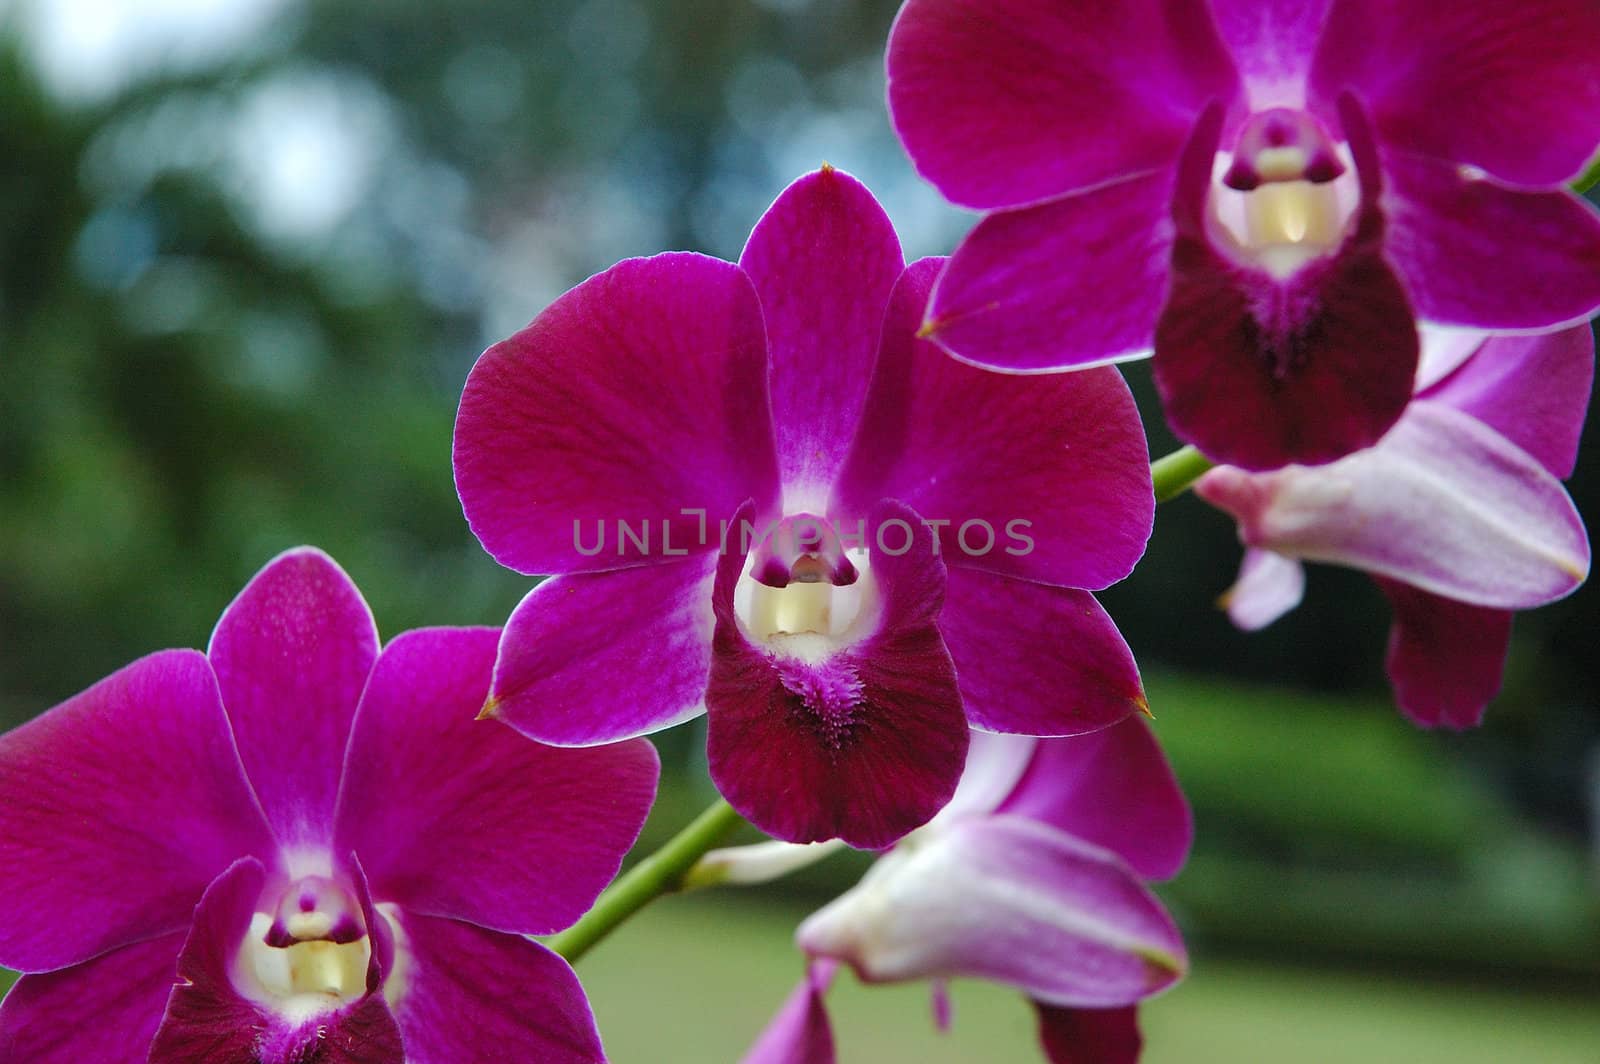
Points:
x=292 y=653
x=637 y=395
x=210 y=1020
x=1259 y=371
x=1074 y=282
x=1479 y=254
x=1046 y=478
x=1509 y=88
x=471 y=996
x=1007 y=899
x=1064 y=671
x=1089 y=1036
x=823 y=259
x=861 y=739
x=1533 y=390
x=1444 y=503
x=465 y=819
x=988 y=96
x=1269 y=586
x=117 y=808
x=103 y=1011
x=1114 y=789
x=1273 y=43
x=647 y=630
x=800 y=1032
x=1445 y=657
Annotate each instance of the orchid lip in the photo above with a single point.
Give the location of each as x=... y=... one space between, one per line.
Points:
x=307 y=951
x=1286 y=195
x=802 y=594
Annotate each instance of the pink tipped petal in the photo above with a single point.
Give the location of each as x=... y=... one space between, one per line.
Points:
x=1507 y=87
x=1534 y=390
x=472 y=996
x=1260 y=372
x=1003 y=102
x=1010 y=900
x=1269 y=586
x=646 y=630
x=117 y=808
x=1445 y=657
x=208 y=1021
x=1479 y=254
x=1090 y=1036
x=1115 y=789
x=463 y=818
x=636 y=395
x=800 y=1032
x=823 y=259
x=292 y=653
x=1042 y=477
x=1073 y=282
x=1444 y=503
x=1273 y=43
x=104 y=1011
x=863 y=744
x=1036 y=660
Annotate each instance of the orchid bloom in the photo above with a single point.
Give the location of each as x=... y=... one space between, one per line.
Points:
x=297 y=849
x=1033 y=876
x=759 y=487
x=1458 y=514
x=1268 y=193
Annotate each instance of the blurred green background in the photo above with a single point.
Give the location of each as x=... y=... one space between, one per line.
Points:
x=248 y=252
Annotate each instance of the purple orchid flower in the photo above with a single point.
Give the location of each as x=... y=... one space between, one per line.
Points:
x=1033 y=877
x=1267 y=193
x=295 y=849
x=797 y=485
x=1458 y=514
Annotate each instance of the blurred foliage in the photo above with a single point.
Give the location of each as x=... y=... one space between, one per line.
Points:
x=194 y=377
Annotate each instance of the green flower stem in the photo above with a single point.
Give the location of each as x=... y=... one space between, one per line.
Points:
x=1174 y=473
x=660 y=873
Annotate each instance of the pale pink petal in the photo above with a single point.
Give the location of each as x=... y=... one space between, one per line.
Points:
x=1269 y=586
x=1007 y=899
x=1444 y=503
